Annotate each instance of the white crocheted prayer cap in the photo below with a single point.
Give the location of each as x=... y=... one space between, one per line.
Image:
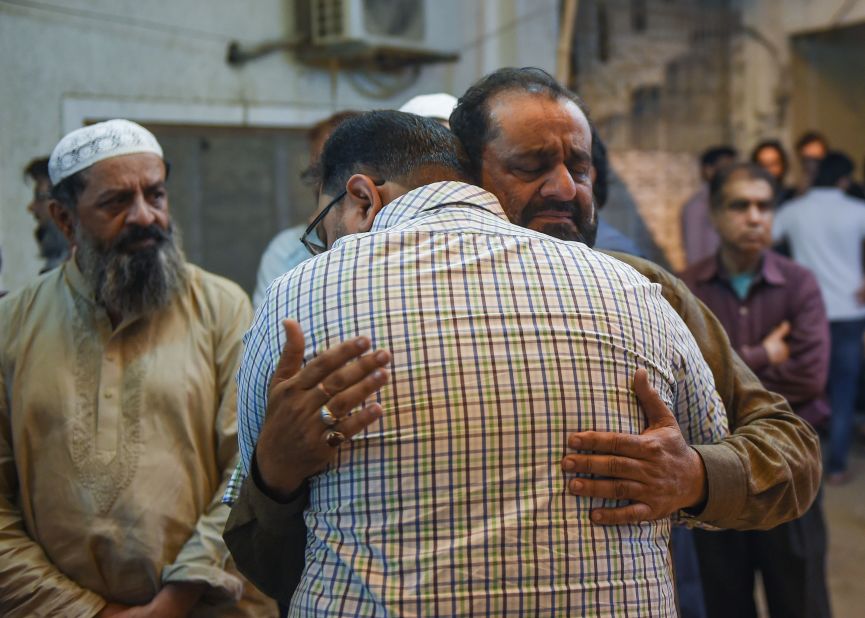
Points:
x=83 y=147
x=439 y=105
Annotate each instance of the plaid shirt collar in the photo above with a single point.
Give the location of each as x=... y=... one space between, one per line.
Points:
x=430 y=197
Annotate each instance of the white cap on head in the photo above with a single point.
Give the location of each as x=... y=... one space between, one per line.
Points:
x=83 y=147
x=438 y=106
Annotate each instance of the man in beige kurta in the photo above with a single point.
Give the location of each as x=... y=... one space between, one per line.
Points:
x=117 y=416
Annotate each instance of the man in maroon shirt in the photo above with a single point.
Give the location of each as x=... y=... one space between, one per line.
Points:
x=773 y=313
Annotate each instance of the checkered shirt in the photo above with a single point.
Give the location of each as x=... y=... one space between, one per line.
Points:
x=504 y=340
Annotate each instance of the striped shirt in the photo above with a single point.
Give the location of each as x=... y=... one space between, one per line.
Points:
x=504 y=340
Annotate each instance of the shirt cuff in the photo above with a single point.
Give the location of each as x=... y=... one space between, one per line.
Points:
x=727 y=485
x=272 y=514
x=222 y=586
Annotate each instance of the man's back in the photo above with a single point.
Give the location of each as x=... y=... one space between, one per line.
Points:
x=503 y=341
x=825 y=229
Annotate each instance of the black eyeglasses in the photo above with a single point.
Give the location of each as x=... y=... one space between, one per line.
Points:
x=316 y=248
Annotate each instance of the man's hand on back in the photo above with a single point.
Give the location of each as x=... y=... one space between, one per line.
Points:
x=293 y=442
x=656 y=471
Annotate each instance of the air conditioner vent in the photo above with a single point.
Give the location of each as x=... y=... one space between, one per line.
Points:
x=400 y=19
x=328 y=18
x=382 y=32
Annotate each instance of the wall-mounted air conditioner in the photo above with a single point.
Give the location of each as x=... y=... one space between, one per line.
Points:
x=384 y=31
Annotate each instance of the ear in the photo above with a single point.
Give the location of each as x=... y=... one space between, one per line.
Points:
x=64 y=219
x=365 y=196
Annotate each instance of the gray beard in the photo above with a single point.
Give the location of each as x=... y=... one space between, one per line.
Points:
x=132 y=283
x=585 y=234
x=582 y=231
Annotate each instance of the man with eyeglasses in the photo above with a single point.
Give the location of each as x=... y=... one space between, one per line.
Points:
x=502 y=339
x=773 y=312
x=766 y=473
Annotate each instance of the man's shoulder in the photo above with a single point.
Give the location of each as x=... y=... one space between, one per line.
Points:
x=698 y=271
x=794 y=273
x=23 y=309
x=853 y=204
x=216 y=291
x=46 y=284
x=650 y=270
x=285 y=241
x=698 y=200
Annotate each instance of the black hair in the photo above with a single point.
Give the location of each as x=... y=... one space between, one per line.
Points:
x=751 y=171
x=833 y=167
x=777 y=147
x=809 y=137
x=316 y=136
x=601 y=184
x=712 y=155
x=37 y=169
x=68 y=190
x=470 y=120
x=389 y=145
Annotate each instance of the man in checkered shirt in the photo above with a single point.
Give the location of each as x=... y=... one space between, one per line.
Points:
x=451 y=501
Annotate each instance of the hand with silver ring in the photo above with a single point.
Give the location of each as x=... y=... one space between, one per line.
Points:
x=334 y=438
x=327 y=417
x=298 y=439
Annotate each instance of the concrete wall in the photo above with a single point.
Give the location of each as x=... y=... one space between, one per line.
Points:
x=766 y=90
x=63 y=62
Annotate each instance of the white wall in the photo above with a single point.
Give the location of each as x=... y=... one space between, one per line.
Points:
x=66 y=61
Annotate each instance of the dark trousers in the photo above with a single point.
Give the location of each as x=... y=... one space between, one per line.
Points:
x=844 y=365
x=689 y=588
x=791 y=559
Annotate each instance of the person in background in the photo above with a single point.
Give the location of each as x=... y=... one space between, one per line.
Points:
x=825 y=229
x=285 y=251
x=437 y=106
x=53 y=247
x=608 y=237
x=811 y=147
x=771 y=156
x=773 y=312
x=699 y=238
x=118 y=404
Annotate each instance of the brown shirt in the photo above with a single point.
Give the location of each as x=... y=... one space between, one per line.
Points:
x=765 y=473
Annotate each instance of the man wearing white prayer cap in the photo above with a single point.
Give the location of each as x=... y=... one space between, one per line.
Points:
x=117 y=404
x=437 y=106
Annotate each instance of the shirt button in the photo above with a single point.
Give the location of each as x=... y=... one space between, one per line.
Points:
x=743 y=311
x=108 y=394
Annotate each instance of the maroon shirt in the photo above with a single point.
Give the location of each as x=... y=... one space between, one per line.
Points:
x=781 y=290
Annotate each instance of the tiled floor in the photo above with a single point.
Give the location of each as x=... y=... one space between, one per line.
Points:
x=845 y=515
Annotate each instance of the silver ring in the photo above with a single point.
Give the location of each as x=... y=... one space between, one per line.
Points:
x=327 y=417
x=334 y=438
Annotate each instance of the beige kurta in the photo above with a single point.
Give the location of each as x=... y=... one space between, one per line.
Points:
x=115 y=447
